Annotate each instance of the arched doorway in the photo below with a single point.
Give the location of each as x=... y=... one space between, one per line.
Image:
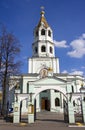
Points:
x=47 y=111
x=55 y=85
x=45 y=100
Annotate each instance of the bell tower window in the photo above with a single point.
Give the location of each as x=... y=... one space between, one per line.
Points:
x=42 y=32
x=72 y=89
x=49 y=33
x=36 y=33
x=51 y=49
x=36 y=49
x=43 y=49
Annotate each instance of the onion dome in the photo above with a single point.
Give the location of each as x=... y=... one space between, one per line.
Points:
x=42 y=21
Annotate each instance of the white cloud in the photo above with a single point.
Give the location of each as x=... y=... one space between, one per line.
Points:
x=65 y=71
x=60 y=44
x=83 y=35
x=83 y=67
x=73 y=72
x=78 y=47
x=77 y=72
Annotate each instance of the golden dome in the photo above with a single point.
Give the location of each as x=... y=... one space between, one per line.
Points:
x=43 y=20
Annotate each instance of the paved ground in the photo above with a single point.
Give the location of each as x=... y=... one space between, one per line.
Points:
x=50 y=118
x=45 y=121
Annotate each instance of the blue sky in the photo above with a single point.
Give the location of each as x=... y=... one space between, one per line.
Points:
x=67 y=20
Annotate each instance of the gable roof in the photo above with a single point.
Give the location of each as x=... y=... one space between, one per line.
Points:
x=49 y=81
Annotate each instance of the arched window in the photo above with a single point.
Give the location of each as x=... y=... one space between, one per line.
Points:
x=74 y=103
x=43 y=49
x=37 y=33
x=72 y=89
x=57 y=102
x=49 y=33
x=36 y=49
x=42 y=32
x=51 y=49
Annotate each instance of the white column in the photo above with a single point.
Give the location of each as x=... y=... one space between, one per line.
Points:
x=16 y=114
x=52 y=100
x=38 y=103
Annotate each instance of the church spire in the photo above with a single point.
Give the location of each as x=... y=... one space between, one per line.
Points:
x=42 y=19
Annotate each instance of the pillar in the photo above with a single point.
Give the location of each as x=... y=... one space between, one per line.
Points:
x=83 y=107
x=31 y=110
x=71 y=115
x=52 y=100
x=16 y=114
x=30 y=113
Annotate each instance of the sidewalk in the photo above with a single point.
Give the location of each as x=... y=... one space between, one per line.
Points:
x=4 y=121
x=44 y=120
x=78 y=124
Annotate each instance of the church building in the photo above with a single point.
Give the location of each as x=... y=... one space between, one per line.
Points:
x=44 y=82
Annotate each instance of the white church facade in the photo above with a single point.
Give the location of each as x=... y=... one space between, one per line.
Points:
x=44 y=82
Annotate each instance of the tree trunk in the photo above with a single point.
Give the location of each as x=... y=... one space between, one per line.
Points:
x=5 y=95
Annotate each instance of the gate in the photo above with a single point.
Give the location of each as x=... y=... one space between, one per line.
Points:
x=65 y=104
x=78 y=112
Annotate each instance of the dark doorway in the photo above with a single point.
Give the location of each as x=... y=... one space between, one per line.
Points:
x=45 y=104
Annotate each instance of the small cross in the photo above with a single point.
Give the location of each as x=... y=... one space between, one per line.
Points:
x=42 y=8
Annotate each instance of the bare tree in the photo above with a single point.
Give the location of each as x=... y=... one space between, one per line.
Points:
x=9 y=65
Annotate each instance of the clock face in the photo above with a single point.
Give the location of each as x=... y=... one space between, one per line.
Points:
x=43 y=73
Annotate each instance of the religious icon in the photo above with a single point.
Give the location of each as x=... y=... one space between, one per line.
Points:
x=44 y=73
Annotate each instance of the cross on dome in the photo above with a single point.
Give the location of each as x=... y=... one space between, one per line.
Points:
x=42 y=11
x=42 y=8
x=42 y=19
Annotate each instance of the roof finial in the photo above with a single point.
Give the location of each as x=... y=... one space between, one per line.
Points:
x=42 y=11
x=42 y=8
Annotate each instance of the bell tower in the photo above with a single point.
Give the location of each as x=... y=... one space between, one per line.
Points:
x=43 y=50
x=43 y=45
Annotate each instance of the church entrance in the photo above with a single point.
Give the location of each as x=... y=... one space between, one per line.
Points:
x=53 y=106
x=45 y=104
